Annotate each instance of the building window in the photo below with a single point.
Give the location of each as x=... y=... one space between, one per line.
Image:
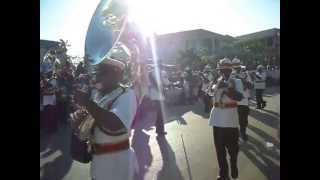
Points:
x=187 y=44
x=207 y=44
x=216 y=44
x=193 y=44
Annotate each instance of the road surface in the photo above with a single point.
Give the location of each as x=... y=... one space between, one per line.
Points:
x=186 y=153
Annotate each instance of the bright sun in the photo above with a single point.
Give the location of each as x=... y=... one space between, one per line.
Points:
x=164 y=16
x=143 y=13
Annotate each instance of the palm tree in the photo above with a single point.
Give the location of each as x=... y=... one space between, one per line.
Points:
x=189 y=58
x=61 y=51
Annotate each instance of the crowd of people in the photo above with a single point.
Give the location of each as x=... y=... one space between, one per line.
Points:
x=186 y=87
x=225 y=92
x=56 y=87
x=110 y=91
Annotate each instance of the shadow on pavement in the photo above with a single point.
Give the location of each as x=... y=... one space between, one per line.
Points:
x=264 y=118
x=271 y=91
x=142 y=150
x=268 y=92
x=271 y=112
x=265 y=136
x=257 y=152
x=169 y=170
x=181 y=120
x=140 y=140
x=173 y=112
x=59 y=166
x=262 y=147
x=198 y=108
x=147 y=114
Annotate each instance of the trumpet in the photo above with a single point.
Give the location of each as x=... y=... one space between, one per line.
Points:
x=81 y=121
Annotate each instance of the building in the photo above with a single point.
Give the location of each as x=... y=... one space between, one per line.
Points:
x=46 y=45
x=170 y=45
x=266 y=34
x=271 y=41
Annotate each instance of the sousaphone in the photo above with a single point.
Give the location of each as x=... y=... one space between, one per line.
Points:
x=111 y=35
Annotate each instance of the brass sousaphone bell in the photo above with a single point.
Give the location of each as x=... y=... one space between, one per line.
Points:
x=109 y=36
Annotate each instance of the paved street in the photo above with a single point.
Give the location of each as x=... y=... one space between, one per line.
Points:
x=187 y=152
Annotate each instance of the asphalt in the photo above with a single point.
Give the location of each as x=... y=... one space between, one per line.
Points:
x=186 y=153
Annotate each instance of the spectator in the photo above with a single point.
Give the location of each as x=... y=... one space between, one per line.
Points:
x=49 y=103
x=260 y=85
x=80 y=69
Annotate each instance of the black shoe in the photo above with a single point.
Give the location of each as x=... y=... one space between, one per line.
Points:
x=258 y=107
x=263 y=105
x=223 y=178
x=244 y=138
x=234 y=171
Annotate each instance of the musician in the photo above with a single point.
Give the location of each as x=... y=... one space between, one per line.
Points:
x=112 y=156
x=187 y=76
x=224 y=119
x=207 y=79
x=260 y=86
x=243 y=105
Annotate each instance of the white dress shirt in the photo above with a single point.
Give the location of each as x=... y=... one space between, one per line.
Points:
x=225 y=117
x=260 y=83
x=118 y=165
x=246 y=93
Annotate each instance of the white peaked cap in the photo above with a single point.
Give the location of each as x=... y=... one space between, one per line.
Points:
x=225 y=63
x=236 y=61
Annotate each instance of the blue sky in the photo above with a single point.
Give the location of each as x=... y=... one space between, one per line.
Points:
x=69 y=19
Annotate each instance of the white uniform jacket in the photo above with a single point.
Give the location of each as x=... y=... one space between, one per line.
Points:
x=122 y=164
x=224 y=117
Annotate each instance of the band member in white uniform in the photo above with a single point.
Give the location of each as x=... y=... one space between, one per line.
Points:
x=260 y=86
x=243 y=105
x=224 y=119
x=113 y=157
x=207 y=80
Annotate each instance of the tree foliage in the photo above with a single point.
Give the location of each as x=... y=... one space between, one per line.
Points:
x=251 y=53
x=188 y=58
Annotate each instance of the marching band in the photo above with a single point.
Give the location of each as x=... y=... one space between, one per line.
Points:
x=106 y=99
